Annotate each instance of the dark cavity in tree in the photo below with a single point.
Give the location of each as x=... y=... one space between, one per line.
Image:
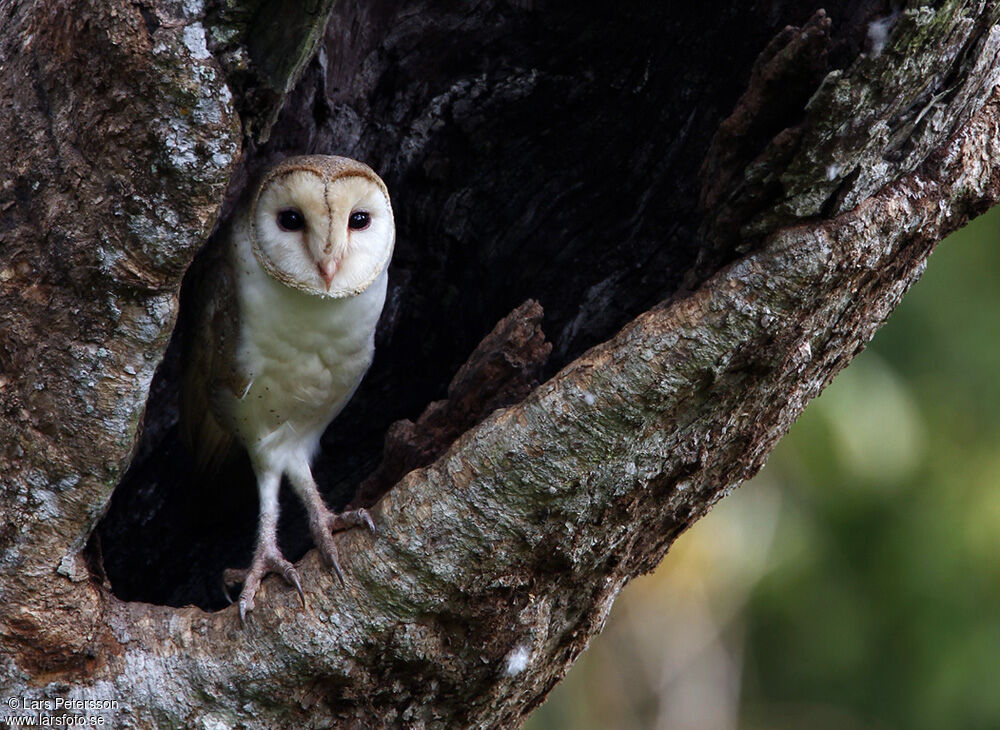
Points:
x=532 y=152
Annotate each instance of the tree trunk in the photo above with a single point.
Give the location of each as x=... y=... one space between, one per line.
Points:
x=714 y=208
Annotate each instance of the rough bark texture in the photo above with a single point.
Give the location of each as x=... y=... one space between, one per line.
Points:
x=115 y=149
x=502 y=370
x=826 y=172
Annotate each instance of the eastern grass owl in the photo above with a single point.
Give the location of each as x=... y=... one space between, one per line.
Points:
x=282 y=336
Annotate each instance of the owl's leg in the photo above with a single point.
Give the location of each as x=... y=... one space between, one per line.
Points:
x=267 y=558
x=322 y=521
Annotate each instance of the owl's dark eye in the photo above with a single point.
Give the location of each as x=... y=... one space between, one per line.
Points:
x=359 y=220
x=291 y=219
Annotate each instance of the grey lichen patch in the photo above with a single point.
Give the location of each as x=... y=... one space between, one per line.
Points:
x=196 y=132
x=194 y=40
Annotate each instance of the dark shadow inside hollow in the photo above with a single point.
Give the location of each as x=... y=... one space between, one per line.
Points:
x=548 y=152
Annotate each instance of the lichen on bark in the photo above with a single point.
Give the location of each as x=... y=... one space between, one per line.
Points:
x=119 y=150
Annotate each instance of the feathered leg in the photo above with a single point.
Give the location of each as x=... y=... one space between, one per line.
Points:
x=322 y=521
x=267 y=558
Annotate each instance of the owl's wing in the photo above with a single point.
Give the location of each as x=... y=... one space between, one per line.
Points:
x=209 y=362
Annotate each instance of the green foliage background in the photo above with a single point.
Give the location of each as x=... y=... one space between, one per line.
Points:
x=855 y=583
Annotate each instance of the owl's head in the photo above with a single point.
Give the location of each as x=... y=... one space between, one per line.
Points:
x=322 y=224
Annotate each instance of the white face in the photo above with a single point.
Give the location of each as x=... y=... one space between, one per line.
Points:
x=328 y=236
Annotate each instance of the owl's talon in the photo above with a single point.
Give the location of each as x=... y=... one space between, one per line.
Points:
x=337 y=569
x=232 y=577
x=369 y=522
x=328 y=549
x=323 y=523
x=292 y=576
x=266 y=560
x=349 y=519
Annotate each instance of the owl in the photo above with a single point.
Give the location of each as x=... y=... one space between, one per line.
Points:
x=281 y=336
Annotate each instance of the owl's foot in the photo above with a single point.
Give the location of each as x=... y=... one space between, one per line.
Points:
x=267 y=559
x=323 y=524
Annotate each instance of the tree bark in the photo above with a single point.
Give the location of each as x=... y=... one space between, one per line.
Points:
x=767 y=208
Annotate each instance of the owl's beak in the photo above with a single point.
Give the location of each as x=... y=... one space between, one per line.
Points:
x=328 y=270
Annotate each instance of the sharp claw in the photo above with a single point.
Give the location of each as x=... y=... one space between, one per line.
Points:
x=367 y=518
x=336 y=569
x=225 y=592
x=243 y=615
x=292 y=576
x=347 y=520
x=332 y=558
x=324 y=524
